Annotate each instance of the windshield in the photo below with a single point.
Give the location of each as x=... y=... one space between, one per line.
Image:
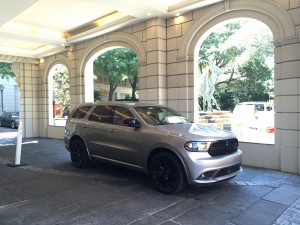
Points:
x=160 y=115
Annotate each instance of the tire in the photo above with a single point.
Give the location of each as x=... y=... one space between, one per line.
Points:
x=166 y=173
x=79 y=154
x=13 y=125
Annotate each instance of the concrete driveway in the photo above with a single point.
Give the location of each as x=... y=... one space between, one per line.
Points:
x=49 y=190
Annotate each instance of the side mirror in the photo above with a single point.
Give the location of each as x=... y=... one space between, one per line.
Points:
x=132 y=122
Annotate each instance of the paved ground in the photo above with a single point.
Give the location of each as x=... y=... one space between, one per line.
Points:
x=49 y=190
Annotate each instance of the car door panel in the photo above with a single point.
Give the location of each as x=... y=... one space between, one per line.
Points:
x=126 y=144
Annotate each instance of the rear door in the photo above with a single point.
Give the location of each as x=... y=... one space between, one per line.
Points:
x=126 y=142
x=108 y=137
x=97 y=128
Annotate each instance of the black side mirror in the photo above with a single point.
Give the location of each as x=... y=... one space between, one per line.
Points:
x=132 y=122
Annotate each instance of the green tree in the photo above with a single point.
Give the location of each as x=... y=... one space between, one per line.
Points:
x=131 y=71
x=212 y=50
x=61 y=87
x=111 y=65
x=6 y=71
x=117 y=64
x=253 y=79
x=215 y=51
x=246 y=71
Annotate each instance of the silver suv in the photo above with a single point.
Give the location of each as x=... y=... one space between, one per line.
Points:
x=153 y=139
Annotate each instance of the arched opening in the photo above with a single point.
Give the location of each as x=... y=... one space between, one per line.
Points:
x=112 y=75
x=9 y=97
x=234 y=69
x=58 y=95
x=9 y=89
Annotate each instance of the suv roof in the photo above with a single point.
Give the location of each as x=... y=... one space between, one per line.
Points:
x=119 y=103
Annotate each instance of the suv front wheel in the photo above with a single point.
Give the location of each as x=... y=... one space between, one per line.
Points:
x=79 y=154
x=166 y=173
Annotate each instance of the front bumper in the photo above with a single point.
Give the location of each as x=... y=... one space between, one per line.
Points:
x=204 y=169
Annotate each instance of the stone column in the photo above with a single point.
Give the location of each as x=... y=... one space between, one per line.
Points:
x=180 y=80
x=287 y=107
x=29 y=84
x=153 y=75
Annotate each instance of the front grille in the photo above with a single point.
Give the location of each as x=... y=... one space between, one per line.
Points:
x=223 y=147
x=228 y=170
x=212 y=174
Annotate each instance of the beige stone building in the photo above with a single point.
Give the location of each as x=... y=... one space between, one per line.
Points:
x=166 y=49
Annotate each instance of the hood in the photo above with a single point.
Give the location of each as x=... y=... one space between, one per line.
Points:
x=195 y=131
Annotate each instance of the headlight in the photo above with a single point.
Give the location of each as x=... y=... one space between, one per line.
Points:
x=197 y=146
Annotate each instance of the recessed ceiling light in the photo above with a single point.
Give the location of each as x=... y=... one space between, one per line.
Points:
x=177 y=14
x=149 y=14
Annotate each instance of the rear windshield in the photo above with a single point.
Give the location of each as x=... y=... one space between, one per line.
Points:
x=15 y=114
x=160 y=115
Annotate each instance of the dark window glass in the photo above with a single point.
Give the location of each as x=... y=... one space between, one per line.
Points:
x=259 y=107
x=81 y=112
x=102 y=114
x=121 y=114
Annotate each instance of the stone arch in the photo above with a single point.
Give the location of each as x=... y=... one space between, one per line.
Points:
x=270 y=13
x=110 y=40
x=116 y=39
x=52 y=61
x=49 y=65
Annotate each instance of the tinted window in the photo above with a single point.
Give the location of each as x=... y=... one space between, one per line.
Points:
x=103 y=114
x=121 y=113
x=81 y=112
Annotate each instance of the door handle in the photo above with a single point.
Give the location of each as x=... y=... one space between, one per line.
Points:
x=112 y=131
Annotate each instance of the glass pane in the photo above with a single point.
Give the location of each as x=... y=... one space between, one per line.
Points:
x=121 y=114
x=81 y=112
x=102 y=114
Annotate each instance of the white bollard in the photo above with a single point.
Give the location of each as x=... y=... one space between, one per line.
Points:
x=18 y=148
x=19 y=144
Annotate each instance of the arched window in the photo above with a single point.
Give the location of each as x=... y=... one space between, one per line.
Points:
x=112 y=75
x=59 y=95
x=235 y=79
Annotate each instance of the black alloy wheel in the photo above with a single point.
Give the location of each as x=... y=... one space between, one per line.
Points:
x=166 y=173
x=79 y=155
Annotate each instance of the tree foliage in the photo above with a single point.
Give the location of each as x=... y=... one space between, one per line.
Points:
x=61 y=87
x=118 y=64
x=131 y=71
x=6 y=71
x=211 y=51
x=247 y=74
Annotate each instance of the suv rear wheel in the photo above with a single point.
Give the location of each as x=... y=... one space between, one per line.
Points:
x=79 y=155
x=166 y=173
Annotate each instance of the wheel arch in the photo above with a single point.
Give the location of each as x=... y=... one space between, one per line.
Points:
x=78 y=137
x=164 y=149
x=15 y=124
